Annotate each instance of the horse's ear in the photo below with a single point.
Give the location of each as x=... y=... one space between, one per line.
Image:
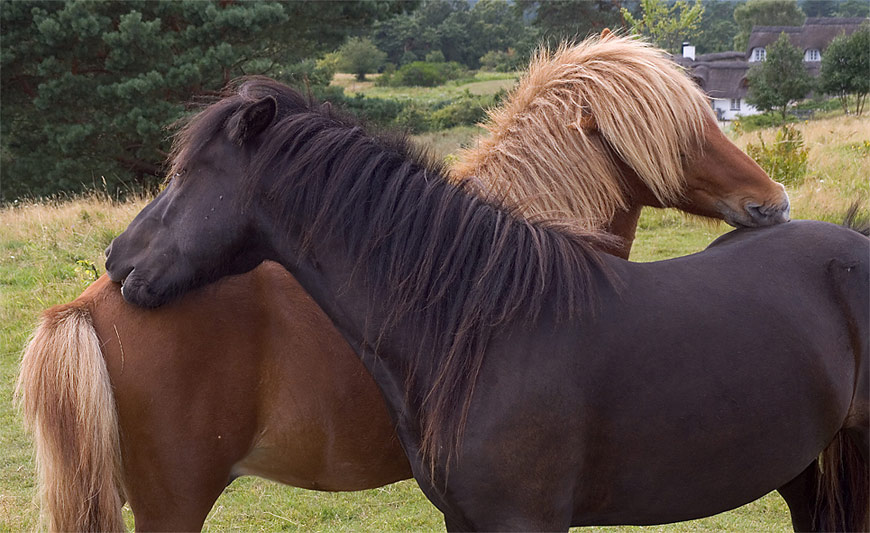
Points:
x=253 y=119
x=586 y=122
x=606 y=34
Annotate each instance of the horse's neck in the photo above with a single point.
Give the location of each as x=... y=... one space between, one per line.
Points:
x=325 y=275
x=572 y=181
x=624 y=226
x=330 y=276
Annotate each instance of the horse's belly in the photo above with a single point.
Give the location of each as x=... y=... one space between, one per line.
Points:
x=322 y=462
x=323 y=425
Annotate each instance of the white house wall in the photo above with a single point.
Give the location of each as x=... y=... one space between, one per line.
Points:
x=728 y=114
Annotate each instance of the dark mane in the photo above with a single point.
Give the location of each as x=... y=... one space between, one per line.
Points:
x=453 y=265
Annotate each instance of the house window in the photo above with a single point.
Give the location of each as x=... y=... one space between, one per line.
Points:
x=812 y=55
x=735 y=104
x=758 y=54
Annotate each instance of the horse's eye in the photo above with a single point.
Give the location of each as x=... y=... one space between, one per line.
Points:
x=172 y=177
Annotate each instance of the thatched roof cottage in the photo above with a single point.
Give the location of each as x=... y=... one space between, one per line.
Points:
x=723 y=75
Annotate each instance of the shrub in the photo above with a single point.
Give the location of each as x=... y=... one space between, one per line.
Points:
x=419 y=73
x=757 y=122
x=818 y=103
x=380 y=111
x=784 y=160
x=408 y=57
x=328 y=64
x=499 y=61
x=413 y=118
x=424 y=74
x=308 y=73
x=466 y=111
x=435 y=56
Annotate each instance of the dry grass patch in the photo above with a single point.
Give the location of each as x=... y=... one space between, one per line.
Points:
x=838 y=169
x=352 y=85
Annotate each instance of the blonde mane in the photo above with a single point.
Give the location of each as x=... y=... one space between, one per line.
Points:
x=547 y=150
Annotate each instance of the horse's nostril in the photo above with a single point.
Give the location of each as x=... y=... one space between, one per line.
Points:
x=764 y=215
x=756 y=212
x=108 y=251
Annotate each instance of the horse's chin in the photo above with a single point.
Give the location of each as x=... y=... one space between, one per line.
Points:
x=144 y=293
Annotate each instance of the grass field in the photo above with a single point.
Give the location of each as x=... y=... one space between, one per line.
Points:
x=480 y=83
x=47 y=250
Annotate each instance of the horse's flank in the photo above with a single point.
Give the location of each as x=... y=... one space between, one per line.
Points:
x=545 y=150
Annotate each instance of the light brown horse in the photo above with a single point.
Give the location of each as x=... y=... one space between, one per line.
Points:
x=248 y=376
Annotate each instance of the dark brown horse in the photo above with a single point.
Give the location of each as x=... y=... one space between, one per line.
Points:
x=175 y=371
x=535 y=383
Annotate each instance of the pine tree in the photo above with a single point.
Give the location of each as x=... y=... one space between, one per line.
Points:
x=89 y=88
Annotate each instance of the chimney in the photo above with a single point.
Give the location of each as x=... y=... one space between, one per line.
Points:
x=688 y=50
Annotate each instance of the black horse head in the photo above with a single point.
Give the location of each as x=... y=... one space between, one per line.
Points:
x=199 y=221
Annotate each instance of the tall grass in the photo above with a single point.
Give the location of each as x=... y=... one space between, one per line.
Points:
x=46 y=250
x=838 y=170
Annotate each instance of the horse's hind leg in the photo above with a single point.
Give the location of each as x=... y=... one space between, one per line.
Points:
x=800 y=496
x=173 y=472
x=173 y=501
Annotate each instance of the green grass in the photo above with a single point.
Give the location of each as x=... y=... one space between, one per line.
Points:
x=40 y=245
x=442 y=144
x=480 y=83
x=252 y=503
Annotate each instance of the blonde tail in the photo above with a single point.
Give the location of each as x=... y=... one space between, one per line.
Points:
x=66 y=398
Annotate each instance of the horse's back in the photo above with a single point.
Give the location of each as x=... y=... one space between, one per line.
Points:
x=810 y=236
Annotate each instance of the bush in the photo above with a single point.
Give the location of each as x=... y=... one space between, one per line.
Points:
x=307 y=73
x=757 y=122
x=499 y=61
x=408 y=57
x=785 y=160
x=380 y=111
x=413 y=118
x=424 y=74
x=328 y=64
x=818 y=103
x=466 y=111
x=435 y=56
